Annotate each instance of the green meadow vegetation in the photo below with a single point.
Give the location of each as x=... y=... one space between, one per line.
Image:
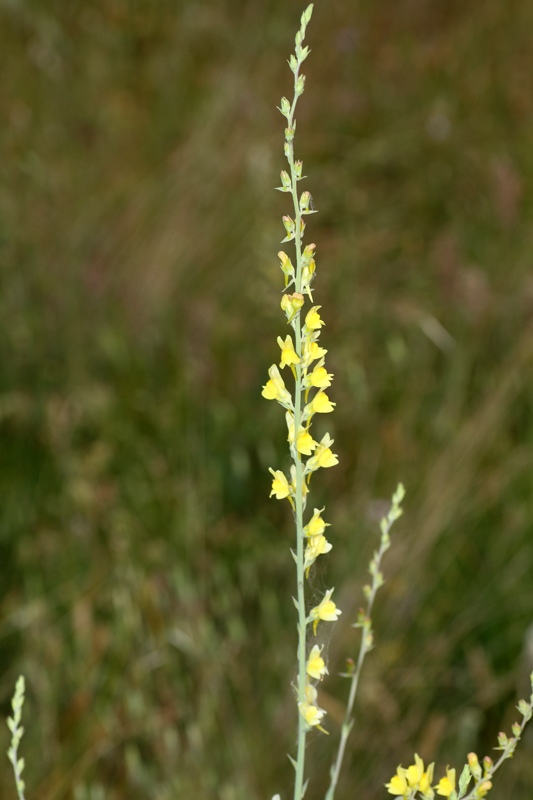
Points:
x=146 y=578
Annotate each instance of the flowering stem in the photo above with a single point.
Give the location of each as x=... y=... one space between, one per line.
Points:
x=299 y=355
x=507 y=753
x=364 y=622
x=302 y=618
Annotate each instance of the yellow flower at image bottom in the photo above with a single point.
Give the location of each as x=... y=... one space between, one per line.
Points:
x=447 y=785
x=414 y=778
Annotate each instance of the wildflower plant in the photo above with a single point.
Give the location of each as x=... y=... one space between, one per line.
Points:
x=306 y=362
x=305 y=359
x=303 y=396
x=300 y=382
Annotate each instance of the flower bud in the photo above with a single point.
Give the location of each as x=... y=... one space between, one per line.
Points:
x=286 y=266
x=502 y=739
x=475 y=768
x=483 y=789
x=524 y=707
x=308 y=253
x=289 y=227
x=300 y=83
x=285 y=107
x=291 y=304
x=304 y=201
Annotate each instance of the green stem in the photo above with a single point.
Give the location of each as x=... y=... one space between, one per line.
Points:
x=302 y=619
x=363 y=650
x=505 y=755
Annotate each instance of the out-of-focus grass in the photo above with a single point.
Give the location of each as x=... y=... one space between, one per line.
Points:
x=146 y=578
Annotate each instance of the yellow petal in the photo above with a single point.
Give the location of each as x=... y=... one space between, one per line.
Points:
x=321 y=404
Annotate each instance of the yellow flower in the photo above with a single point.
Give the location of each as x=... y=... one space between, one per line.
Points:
x=316 y=667
x=275 y=388
x=417 y=777
x=291 y=304
x=398 y=784
x=316 y=524
x=322 y=457
x=319 y=378
x=309 y=709
x=280 y=485
x=288 y=353
x=312 y=319
x=304 y=443
x=447 y=784
x=312 y=714
x=411 y=779
x=312 y=352
x=326 y=610
x=316 y=547
x=483 y=789
x=321 y=404
x=427 y=778
x=414 y=773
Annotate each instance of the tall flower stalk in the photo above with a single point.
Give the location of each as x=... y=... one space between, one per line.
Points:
x=306 y=360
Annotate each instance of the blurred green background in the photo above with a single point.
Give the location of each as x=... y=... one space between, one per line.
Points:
x=146 y=576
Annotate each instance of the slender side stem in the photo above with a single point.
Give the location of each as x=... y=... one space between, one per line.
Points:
x=16 y=735
x=366 y=645
x=302 y=618
x=507 y=753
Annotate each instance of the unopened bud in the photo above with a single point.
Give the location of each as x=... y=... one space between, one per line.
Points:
x=289 y=134
x=473 y=763
x=285 y=107
x=308 y=253
x=300 y=83
x=289 y=226
x=524 y=707
x=304 y=201
x=488 y=764
x=285 y=180
x=291 y=304
x=286 y=266
x=516 y=729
